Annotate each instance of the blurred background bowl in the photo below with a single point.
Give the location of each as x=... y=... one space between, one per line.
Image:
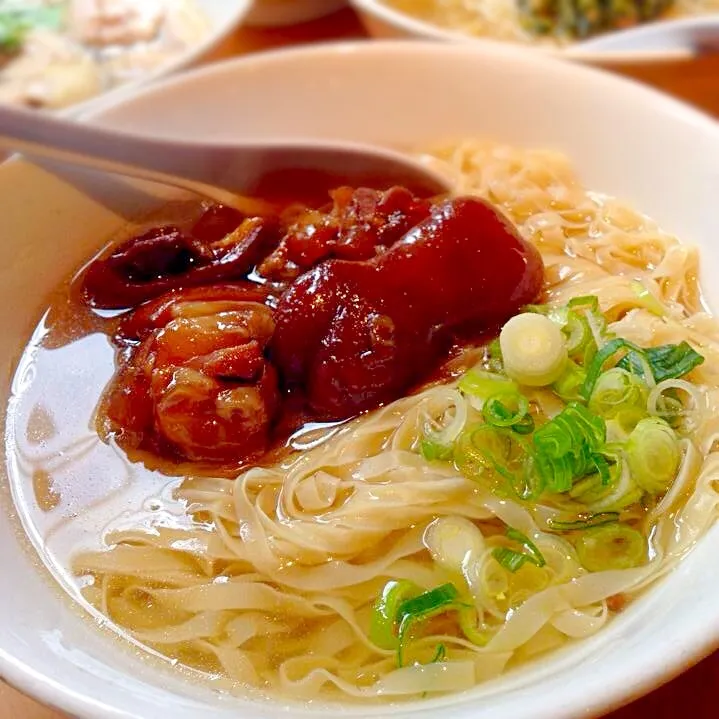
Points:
x=680 y=38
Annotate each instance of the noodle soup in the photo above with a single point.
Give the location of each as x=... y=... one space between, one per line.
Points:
x=440 y=527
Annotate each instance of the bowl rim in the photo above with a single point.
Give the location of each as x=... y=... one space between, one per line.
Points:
x=576 y=51
x=167 y=69
x=511 y=51
x=699 y=640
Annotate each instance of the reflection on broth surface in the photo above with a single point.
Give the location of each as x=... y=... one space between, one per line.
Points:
x=291 y=451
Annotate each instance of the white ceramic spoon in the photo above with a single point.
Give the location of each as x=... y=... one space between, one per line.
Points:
x=689 y=36
x=222 y=172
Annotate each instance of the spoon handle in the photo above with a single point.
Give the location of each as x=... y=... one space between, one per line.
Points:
x=687 y=36
x=211 y=169
x=42 y=136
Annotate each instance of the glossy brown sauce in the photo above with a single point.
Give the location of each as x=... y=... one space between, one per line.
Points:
x=239 y=329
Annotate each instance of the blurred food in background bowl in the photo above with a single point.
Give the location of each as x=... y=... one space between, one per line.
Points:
x=268 y=13
x=568 y=27
x=57 y=53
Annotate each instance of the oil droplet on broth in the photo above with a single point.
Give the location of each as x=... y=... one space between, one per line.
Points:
x=45 y=495
x=40 y=426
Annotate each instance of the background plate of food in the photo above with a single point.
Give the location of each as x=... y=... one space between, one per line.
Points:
x=59 y=54
x=585 y=30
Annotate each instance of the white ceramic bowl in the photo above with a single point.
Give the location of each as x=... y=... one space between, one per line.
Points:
x=675 y=38
x=223 y=16
x=274 y=13
x=625 y=139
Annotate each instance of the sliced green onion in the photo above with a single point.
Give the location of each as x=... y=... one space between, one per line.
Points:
x=423 y=607
x=611 y=546
x=666 y=361
x=510 y=559
x=442 y=432
x=428 y=603
x=624 y=421
x=654 y=455
x=665 y=402
x=602 y=484
x=505 y=409
x=566 y=445
x=431 y=450
x=616 y=392
x=486 y=452
x=583 y=521
x=538 y=309
x=609 y=352
x=493 y=357
x=556 y=314
x=384 y=612
x=533 y=349
x=585 y=302
x=647 y=299
x=602 y=466
x=590 y=353
x=573 y=324
x=396 y=609
x=569 y=385
x=479 y=385
x=618 y=500
x=588 y=308
x=468 y=625
x=529 y=546
x=453 y=542
x=440 y=654
x=469 y=457
x=622 y=491
x=525 y=425
x=578 y=334
x=590 y=488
